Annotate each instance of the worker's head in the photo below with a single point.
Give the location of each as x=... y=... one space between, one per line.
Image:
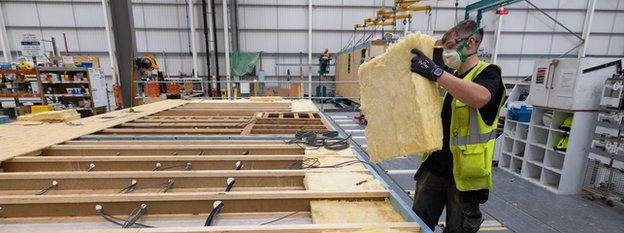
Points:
x=461 y=42
x=326 y=51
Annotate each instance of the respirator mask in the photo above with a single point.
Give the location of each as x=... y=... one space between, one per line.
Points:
x=453 y=58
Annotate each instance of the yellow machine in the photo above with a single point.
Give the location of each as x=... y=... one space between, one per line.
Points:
x=146 y=63
x=388 y=17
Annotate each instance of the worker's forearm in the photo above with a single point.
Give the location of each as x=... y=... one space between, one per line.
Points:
x=472 y=94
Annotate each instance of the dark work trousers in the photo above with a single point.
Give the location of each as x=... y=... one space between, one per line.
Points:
x=433 y=193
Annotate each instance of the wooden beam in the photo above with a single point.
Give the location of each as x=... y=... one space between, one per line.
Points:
x=24 y=183
x=183 y=125
x=169 y=131
x=174 y=142
x=148 y=163
x=16 y=206
x=281 y=228
x=101 y=150
x=283 y=131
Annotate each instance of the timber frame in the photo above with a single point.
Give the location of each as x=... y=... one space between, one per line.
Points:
x=176 y=157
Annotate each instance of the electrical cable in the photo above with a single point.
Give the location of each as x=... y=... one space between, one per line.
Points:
x=135 y=215
x=130 y=188
x=216 y=207
x=158 y=167
x=280 y=218
x=115 y=220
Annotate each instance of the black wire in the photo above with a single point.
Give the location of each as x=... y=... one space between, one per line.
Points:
x=169 y=167
x=114 y=219
x=280 y=218
x=213 y=213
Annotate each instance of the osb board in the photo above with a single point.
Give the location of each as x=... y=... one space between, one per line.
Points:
x=346 y=181
x=402 y=108
x=298 y=105
x=353 y=212
x=17 y=139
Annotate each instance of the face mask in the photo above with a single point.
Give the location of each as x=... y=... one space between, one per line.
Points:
x=451 y=58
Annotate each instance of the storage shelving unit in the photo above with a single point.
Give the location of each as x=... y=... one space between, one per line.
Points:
x=54 y=87
x=528 y=149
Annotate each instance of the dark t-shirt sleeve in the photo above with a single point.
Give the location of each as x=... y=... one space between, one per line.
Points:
x=490 y=78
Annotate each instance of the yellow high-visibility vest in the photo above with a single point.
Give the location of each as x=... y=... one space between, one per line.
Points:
x=471 y=141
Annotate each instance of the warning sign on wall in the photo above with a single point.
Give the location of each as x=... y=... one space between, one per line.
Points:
x=31 y=45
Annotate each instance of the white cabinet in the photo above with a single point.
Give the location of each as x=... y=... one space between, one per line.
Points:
x=570 y=83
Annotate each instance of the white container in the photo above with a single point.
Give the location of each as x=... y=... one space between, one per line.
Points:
x=570 y=83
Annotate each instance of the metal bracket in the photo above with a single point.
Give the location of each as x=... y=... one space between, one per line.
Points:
x=130 y=188
x=230 y=183
x=168 y=186
x=239 y=165
x=91 y=167
x=54 y=185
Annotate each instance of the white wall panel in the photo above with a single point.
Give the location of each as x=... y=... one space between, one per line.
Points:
x=320 y=42
x=616 y=46
x=564 y=42
x=89 y=15
x=292 y=42
x=20 y=14
x=52 y=14
x=619 y=26
x=509 y=65
x=261 y=17
x=598 y=44
x=608 y=4
x=536 y=21
x=91 y=40
x=289 y=18
x=525 y=66
x=536 y=44
x=515 y=21
x=572 y=20
x=603 y=22
x=324 y=18
x=259 y=41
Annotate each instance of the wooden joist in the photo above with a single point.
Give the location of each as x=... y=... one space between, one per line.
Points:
x=182 y=125
x=24 y=183
x=15 y=206
x=149 y=163
x=191 y=131
x=168 y=150
x=286 y=228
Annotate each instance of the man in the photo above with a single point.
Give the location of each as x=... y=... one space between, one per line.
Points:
x=459 y=175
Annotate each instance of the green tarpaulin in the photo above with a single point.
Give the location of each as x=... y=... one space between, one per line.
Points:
x=242 y=63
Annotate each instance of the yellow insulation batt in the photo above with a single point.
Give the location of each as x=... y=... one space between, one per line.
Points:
x=327 y=212
x=341 y=181
x=373 y=229
x=402 y=108
x=52 y=116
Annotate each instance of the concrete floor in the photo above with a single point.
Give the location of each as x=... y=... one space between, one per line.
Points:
x=514 y=204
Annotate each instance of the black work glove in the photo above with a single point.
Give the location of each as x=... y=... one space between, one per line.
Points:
x=437 y=56
x=424 y=66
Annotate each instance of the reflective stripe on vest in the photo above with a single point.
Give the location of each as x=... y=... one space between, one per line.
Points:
x=474 y=137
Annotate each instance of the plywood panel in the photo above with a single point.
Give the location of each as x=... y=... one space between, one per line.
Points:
x=19 y=139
